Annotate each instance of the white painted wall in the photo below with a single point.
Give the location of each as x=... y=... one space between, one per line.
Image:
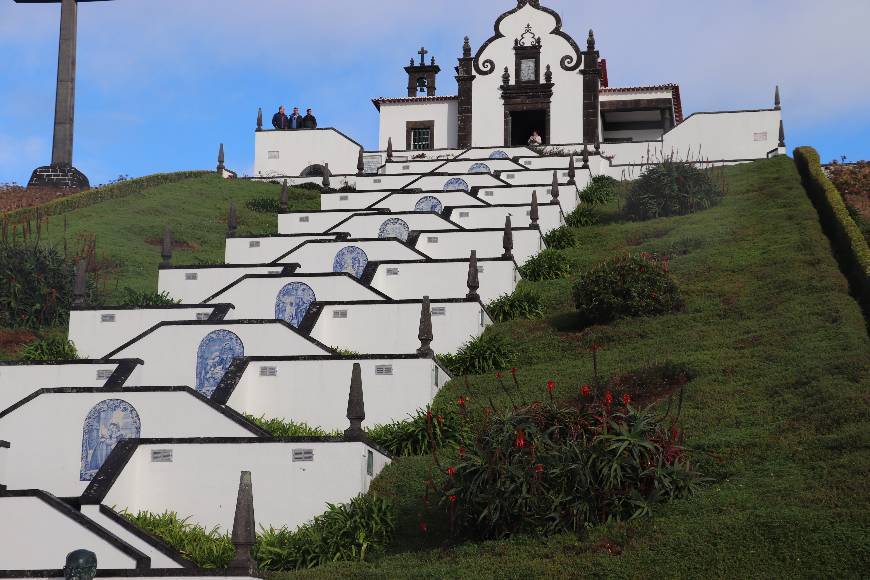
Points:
x=401 y=202
x=532 y=177
x=202 y=480
x=257 y=295
x=724 y=136
x=549 y=216
x=444 y=279
x=381 y=182
x=21 y=380
x=513 y=195
x=437 y=182
x=158 y=558
x=310 y=222
x=316 y=391
x=46 y=433
x=397 y=326
x=262 y=250
x=483 y=153
x=94 y=337
x=368 y=226
x=170 y=351
x=36 y=536
x=488 y=243
x=394 y=118
x=293 y=151
x=319 y=256
x=352 y=200
x=194 y=284
x=461 y=167
x=412 y=166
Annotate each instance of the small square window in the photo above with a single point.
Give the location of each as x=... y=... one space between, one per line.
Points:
x=274 y=155
x=254 y=244
x=304 y=219
x=376 y=180
x=303 y=455
x=432 y=239
x=421 y=138
x=404 y=167
x=107 y=318
x=339 y=313
x=528 y=162
x=343 y=198
x=191 y=276
x=488 y=193
x=463 y=214
x=392 y=271
x=510 y=176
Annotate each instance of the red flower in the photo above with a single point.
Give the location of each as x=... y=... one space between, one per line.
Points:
x=514 y=371
x=461 y=452
x=551 y=385
x=498 y=374
x=539 y=468
x=626 y=399
x=452 y=499
x=451 y=471
x=608 y=398
x=674 y=433
x=440 y=420
x=423 y=527
x=429 y=415
x=521 y=439
x=461 y=401
x=585 y=390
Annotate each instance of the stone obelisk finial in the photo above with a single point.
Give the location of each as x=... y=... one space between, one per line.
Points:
x=166 y=248
x=585 y=157
x=80 y=286
x=284 y=199
x=534 y=212
x=781 y=134
x=473 y=277
x=597 y=145
x=777 y=104
x=554 y=188
x=425 y=333
x=356 y=411
x=220 y=165
x=360 y=163
x=232 y=221
x=572 y=171
x=244 y=528
x=259 y=118
x=508 y=239
x=326 y=174
x=389 y=148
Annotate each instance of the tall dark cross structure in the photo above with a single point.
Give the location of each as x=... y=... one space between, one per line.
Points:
x=61 y=173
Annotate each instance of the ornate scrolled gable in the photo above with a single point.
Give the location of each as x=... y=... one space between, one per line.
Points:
x=569 y=62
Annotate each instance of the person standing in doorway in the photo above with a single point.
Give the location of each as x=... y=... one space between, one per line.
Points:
x=309 y=121
x=535 y=139
x=294 y=121
x=279 y=119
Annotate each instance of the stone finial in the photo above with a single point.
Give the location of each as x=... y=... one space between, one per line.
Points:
x=572 y=171
x=389 y=148
x=534 y=214
x=356 y=411
x=220 y=165
x=548 y=75
x=466 y=48
x=597 y=146
x=244 y=528
x=473 y=278
x=590 y=41
x=777 y=104
x=425 y=333
x=506 y=77
x=166 y=248
x=585 y=157
x=508 y=239
x=80 y=285
x=80 y=565
x=284 y=199
x=326 y=174
x=232 y=221
x=554 y=188
x=259 y=118
x=360 y=163
x=781 y=134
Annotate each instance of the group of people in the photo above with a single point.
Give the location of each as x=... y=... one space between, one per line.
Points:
x=281 y=120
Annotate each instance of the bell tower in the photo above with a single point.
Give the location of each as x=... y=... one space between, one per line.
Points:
x=421 y=77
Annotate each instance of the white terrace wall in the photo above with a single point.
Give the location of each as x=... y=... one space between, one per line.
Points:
x=21 y=380
x=725 y=136
x=549 y=216
x=382 y=182
x=401 y=156
x=193 y=284
x=319 y=256
x=315 y=391
x=354 y=200
x=568 y=196
x=410 y=280
x=264 y=249
x=454 y=245
x=439 y=182
x=280 y=153
x=535 y=177
x=202 y=480
x=170 y=352
x=403 y=202
x=463 y=167
x=4 y=459
x=411 y=167
x=48 y=454
x=37 y=536
x=97 y=332
x=484 y=153
x=369 y=226
x=158 y=559
x=308 y=222
x=394 y=118
x=397 y=325
x=257 y=296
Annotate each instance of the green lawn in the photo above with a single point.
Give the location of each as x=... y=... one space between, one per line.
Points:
x=778 y=411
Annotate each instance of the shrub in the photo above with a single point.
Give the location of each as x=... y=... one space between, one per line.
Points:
x=601 y=189
x=419 y=435
x=270 y=205
x=625 y=286
x=206 y=548
x=522 y=303
x=484 y=354
x=560 y=238
x=286 y=428
x=546 y=469
x=672 y=188
x=35 y=286
x=309 y=185
x=49 y=349
x=582 y=216
x=146 y=299
x=549 y=264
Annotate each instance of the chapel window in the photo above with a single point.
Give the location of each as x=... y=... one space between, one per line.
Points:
x=421 y=138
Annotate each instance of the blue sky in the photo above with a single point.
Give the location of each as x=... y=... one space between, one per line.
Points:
x=162 y=82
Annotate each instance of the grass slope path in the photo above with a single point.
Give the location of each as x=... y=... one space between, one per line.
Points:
x=779 y=405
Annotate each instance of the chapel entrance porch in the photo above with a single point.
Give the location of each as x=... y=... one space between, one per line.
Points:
x=520 y=124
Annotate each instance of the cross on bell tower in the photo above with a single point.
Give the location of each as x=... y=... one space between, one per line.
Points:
x=61 y=173
x=423 y=52
x=421 y=77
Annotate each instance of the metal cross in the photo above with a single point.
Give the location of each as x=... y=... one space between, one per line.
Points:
x=423 y=52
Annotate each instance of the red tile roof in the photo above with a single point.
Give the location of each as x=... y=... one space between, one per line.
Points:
x=436 y=99
x=673 y=88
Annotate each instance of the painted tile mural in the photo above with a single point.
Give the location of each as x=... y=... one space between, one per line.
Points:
x=499 y=155
x=394 y=228
x=429 y=203
x=456 y=184
x=214 y=356
x=293 y=301
x=479 y=168
x=352 y=260
x=107 y=423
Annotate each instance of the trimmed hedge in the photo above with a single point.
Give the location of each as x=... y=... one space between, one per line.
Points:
x=94 y=196
x=845 y=234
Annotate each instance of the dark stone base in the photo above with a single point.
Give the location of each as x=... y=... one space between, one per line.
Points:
x=58 y=177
